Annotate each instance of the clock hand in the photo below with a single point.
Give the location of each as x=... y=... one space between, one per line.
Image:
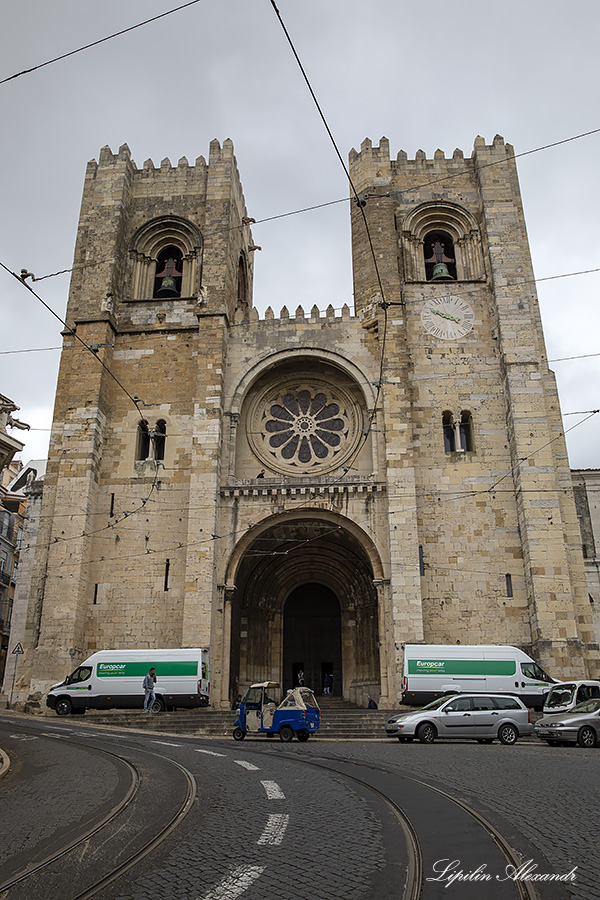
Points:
x=438 y=312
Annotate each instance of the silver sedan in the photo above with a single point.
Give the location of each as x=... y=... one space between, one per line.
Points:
x=581 y=725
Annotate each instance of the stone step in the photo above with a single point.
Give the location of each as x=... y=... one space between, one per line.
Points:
x=335 y=723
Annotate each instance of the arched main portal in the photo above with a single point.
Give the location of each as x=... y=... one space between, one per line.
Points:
x=312 y=638
x=298 y=569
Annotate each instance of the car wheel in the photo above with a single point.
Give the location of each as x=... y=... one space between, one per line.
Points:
x=508 y=734
x=586 y=737
x=427 y=733
x=158 y=705
x=302 y=735
x=63 y=707
x=286 y=733
x=485 y=740
x=238 y=734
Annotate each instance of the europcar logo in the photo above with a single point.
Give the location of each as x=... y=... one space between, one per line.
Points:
x=111 y=667
x=430 y=664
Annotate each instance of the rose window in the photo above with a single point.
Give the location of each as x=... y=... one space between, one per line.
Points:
x=306 y=428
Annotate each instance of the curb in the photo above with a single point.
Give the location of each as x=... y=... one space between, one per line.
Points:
x=4 y=763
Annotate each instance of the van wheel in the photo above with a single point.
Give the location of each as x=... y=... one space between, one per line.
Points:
x=427 y=733
x=286 y=733
x=238 y=734
x=63 y=707
x=586 y=737
x=158 y=705
x=508 y=734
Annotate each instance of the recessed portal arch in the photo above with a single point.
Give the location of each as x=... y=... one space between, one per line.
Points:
x=280 y=569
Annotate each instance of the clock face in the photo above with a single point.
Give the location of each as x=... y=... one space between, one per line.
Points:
x=448 y=317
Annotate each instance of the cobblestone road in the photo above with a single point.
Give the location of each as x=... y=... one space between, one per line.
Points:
x=266 y=825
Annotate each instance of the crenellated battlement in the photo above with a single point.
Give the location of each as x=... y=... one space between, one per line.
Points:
x=300 y=317
x=379 y=156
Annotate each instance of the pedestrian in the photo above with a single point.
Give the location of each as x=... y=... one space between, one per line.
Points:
x=261 y=474
x=300 y=678
x=327 y=684
x=371 y=704
x=148 y=685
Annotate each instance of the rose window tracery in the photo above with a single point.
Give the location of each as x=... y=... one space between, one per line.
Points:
x=304 y=428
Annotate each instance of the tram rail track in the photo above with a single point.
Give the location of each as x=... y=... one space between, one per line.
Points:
x=45 y=865
x=414 y=884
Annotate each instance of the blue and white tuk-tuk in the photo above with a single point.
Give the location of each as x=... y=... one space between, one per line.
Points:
x=260 y=713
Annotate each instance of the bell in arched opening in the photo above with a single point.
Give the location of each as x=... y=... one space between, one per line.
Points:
x=441 y=265
x=168 y=278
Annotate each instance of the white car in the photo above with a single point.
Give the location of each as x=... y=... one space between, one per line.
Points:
x=483 y=717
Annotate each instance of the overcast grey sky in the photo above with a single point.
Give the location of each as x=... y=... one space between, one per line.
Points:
x=427 y=76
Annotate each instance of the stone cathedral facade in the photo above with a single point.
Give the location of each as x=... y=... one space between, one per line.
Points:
x=315 y=488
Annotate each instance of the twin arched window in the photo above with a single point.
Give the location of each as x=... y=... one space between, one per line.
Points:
x=150 y=443
x=458 y=435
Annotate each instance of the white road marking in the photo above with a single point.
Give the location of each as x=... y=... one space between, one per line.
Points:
x=210 y=752
x=273 y=790
x=235 y=883
x=274 y=829
x=166 y=744
x=23 y=737
x=246 y=765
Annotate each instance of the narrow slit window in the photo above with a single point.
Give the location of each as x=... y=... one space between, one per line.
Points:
x=167 y=568
x=466 y=431
x=159 y=437
x=449 y=433
x=509 y=587
x=142 y=450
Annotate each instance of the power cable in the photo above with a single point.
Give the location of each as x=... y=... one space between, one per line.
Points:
x=100 y=41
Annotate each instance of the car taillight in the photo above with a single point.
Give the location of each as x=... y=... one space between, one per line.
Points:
x=405 y=683
x=529 y=716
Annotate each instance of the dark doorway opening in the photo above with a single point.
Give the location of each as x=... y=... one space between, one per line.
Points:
x=312 y=633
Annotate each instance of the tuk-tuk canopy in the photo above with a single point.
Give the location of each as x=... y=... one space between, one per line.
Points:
x=297 y=698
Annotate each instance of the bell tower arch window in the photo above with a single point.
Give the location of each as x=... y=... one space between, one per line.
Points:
x=166 y=255
x=441 y=241
x=458 y=434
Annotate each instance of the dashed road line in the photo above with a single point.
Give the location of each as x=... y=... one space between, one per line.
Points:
x=235 y=883
x=210 y=753
x=273 y=790
x=166 y=744
x=246 y=765
x=274 y=829
x=24 y=737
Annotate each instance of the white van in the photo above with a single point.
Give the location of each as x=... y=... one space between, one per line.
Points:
x=564 y=696
x=433 y=670
x=113 y=679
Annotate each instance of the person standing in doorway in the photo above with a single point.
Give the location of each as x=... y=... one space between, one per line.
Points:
x=327 y=684
x=300 y=678
x=148 y=685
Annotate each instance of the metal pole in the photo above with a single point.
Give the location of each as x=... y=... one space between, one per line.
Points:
x=12 y=687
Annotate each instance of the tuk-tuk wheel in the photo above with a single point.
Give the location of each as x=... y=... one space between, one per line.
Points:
x=302 y=735
x=238 y=734
x=286 y=733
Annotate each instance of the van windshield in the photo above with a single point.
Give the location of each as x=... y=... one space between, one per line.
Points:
x=532 y=670
x=560 y=696
x=80 y=674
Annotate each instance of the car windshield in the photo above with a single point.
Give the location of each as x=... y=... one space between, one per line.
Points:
x=588 y=706
x=435 y=704
x=560 y=696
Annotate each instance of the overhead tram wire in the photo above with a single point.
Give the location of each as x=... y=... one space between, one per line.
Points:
x=100 y=41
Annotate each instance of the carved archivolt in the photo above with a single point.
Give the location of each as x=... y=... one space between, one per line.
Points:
x=151 y=239
x=303 y=426
x=462 y=228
